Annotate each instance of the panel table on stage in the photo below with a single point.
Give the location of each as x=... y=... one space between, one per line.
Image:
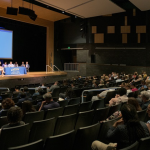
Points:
x=15 y=70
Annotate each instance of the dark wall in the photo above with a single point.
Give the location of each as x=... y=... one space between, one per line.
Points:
x=29 y=43
x=67 y=34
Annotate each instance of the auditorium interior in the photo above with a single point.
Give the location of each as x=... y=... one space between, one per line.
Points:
x=87 y=86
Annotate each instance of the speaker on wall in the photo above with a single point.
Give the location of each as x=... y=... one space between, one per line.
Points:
x=12 y=11
x=93 y=60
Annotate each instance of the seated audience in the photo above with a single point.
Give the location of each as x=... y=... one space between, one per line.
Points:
x=104 y=93
x=133 y=87
x=48 y=103
x=23 y=97
x=26 y=90
x=17 y=92
x=68 y=95
x=127 y=87
x=43 y=85
x=14 y=117
x=7 y=104
x=11 y=64
x=73 y=86
x=121 y=97
x=55 y=86
x=145 y=99
x=143 y=85
x=123 y=85
x=127 y=130
x=131 y=101
x=27 y=107
x=101 y=83
x=36 y=92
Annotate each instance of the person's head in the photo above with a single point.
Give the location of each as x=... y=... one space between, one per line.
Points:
x=134 y=128
x=101 y=82
x=122 y=91
x=133 y=86
x=10 y=62
x=5 y=63
x=140 y=76
x=16 y=88
x=7 y=103
x=27 y=107
x=26 y=62
x=47 y=97
x=145 y=96
x=70 y=93
x=127 y=86
x=143 y=82
x=72 y=85
x=123 y=84
x=23 y=95
x=134 y=102
x=148 y=86
x=56 y=82
x=43 y=84
x=22 y=62
x=40 y=90
x=14 y=115
x=25 y=89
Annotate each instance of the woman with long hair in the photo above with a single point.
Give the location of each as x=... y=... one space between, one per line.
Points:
x=27 y=107
x=127 y=130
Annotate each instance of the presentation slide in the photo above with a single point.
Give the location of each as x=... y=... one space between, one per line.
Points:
x=6 y=44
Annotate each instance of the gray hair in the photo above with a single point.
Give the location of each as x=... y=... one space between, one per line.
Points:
x=145 y=94
x=47 y=96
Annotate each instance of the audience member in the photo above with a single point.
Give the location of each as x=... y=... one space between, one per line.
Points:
x=145 y=99
x=133 y=87
x=143 y=85
x=55 y=86
x=48 y=103
x=121 y=97
x=23 y=97
x=26 y=90
x=17 y=92
x=14 y=117
x=127 y=87
x=7 y=104
x=27 y=107
x=127 y=130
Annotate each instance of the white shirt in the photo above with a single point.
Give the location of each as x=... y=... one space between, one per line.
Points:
x=104 y=93
x=10 y=65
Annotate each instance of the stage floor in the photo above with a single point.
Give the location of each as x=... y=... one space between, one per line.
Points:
x=33 y=75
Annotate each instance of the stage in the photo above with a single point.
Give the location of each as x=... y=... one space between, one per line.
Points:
x=31 y=78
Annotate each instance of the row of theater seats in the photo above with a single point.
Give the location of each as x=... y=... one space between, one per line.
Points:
x=39 y=138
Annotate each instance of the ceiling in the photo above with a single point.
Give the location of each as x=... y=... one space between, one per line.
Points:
x=143 y=5
x=40 y=11
x=85 y=8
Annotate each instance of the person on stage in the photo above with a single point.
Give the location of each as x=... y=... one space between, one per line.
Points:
x=11 y=64
x=27 y=66
x=5 y=65
x=2 y=69
x=23 y=65
x=16 y=64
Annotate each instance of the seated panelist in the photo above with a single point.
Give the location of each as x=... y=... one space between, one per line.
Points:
x=23 y=65
x=2 y=69
x=27 y=66
x=15 y=64
x=11 y=64
x=5 y=65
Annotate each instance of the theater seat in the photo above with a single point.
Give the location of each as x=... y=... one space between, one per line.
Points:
x=42 y=129
x=37 y=145
x=60 y=142
x=65 y=124
x=14 y=136
x=134 y=146
x=85 y=136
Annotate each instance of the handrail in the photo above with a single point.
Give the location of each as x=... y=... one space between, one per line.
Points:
x=56 y=68
x=49 y=67
x=102 y=89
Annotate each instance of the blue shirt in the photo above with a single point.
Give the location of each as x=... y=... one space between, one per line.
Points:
x=50 y=105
